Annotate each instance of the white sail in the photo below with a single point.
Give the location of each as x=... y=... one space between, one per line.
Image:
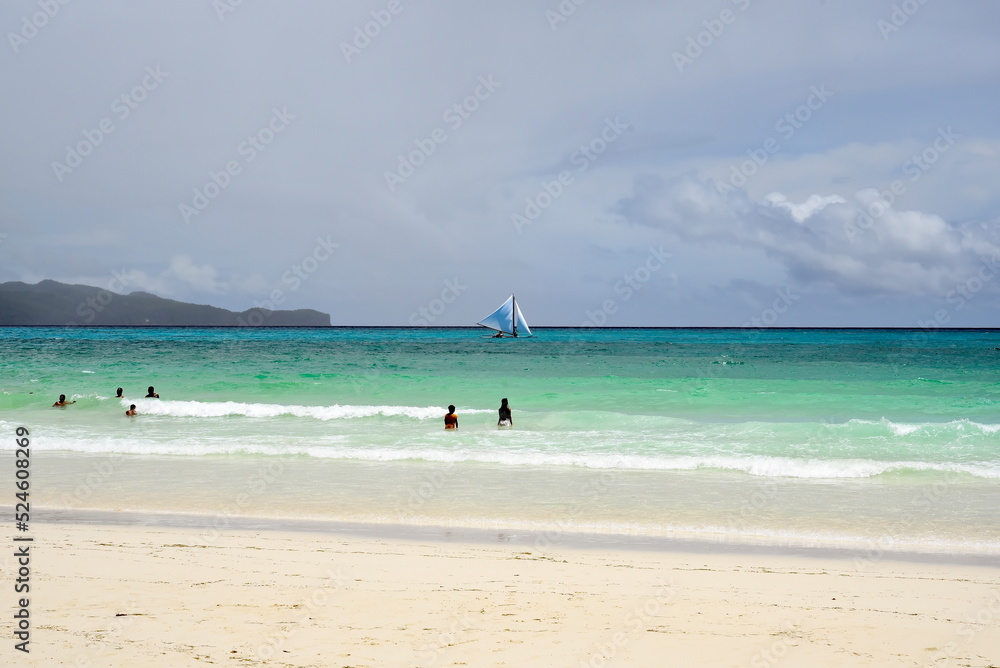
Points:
x=507 y=319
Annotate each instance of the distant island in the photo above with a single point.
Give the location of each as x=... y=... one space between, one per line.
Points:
x=60 y=304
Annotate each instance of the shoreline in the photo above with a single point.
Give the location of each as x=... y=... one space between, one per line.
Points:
x=918 y=517
x=214 y=526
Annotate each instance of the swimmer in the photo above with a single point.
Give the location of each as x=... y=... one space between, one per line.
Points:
x=121 y=394
x=505 y=419
x=62 y=402
x=151 y=394
x=451 y=420
x=131 y=411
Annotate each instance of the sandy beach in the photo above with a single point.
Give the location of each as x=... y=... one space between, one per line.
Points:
x=152 y=596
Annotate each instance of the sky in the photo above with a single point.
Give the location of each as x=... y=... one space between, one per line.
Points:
x=397 y=162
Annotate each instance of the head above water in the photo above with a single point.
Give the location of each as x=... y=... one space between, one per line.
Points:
x=120 y=390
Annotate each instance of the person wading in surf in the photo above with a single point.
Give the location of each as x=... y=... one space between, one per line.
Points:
x=505 y=419
x=451 y=420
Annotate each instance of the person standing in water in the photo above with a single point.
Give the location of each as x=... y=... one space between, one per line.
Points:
x=451 y=420
x=151 y=394
x=121 y=394
x=131 y=411
x=62 y=401
x=505 y=419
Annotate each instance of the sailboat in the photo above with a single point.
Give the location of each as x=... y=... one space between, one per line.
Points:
x=507 y=320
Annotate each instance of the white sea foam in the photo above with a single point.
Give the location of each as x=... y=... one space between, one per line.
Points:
x=339 y=446
x=906 y=429
x=253 y=410
x=903 y=429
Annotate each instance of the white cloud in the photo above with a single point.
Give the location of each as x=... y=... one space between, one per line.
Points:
x=201 y=278
x=856 y=247
x=800 y=212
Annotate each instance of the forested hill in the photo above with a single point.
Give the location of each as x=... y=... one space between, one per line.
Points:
x=53 y=303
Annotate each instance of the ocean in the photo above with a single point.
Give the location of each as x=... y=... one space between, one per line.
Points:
x=869 y=440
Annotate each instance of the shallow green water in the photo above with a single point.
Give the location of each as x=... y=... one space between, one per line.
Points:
x=688 y=423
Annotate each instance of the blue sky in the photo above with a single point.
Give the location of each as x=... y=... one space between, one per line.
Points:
x=638 y=163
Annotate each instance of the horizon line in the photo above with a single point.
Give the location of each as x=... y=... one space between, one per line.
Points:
x=534 y=327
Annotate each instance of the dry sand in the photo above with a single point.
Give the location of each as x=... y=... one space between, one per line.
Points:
x=141 y=596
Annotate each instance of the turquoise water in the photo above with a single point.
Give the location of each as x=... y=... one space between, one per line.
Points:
x=836 y=436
